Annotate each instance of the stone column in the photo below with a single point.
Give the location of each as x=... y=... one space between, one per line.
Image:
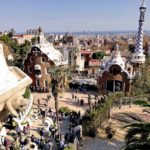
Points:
x=113 y=86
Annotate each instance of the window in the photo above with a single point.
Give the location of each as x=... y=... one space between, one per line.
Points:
x=82 y=57
x=129 y=69
x=29 y=69
x=43 y=59
x=37 y=82
x=37 y=72
x=46 y=83
x=47 y=70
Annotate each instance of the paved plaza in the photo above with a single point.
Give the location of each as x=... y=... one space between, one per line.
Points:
x=65 y=100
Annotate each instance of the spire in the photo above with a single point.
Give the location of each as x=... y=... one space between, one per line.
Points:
x=143 y=3
x=41 y=38
x=139 y=39
x=138 y=55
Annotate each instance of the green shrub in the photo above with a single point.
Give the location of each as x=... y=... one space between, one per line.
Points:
x=65 y=110
x=69 y=147
x=27 y=93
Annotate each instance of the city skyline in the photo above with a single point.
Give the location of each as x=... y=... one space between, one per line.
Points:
x=72 y=16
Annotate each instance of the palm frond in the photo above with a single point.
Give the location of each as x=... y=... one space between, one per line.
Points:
x=138 y=136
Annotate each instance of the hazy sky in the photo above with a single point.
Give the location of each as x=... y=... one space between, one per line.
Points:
x=72 y=15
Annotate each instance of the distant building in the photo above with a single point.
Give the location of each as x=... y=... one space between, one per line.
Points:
x=21 y=38
x=42 y=57
x=83 y=63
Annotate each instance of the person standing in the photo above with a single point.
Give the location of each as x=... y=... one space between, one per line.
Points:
x=41 y=133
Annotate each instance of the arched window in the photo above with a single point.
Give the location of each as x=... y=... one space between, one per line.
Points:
x=43 y=59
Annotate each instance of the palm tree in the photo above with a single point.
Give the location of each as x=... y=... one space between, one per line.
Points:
x=74 y=51
x=138 y=136
x=58 y=83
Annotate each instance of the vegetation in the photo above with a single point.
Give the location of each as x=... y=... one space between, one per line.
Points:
x=99 y=55
x=19 y=51
x=141 y=82
x=99 y=114
x=138 y=134
x=58 y=83
x=34 y=40
x=131 y=48
x=65 y=110
x=69 y=147
x=27 y=93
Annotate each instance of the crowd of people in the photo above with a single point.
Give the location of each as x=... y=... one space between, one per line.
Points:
x=24 y=139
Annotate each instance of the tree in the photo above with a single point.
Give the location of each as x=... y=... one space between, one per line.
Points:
x=11 y=32
x=131 y=48
x=55 y=90
x=74 y=51
x=58 y=83
x=138 y=136
x=34 y=40
x=141 y=82
x=19 y=51
x=98 y=55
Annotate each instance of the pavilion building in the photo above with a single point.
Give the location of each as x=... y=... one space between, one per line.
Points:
x=42 y=57
x=117 y=72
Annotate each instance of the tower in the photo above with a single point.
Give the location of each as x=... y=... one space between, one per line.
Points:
x=138 y=56
x=41 y=38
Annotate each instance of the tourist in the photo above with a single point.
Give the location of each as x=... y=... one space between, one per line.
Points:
x=24 y=130
x=41 y=145
x=53 y=132
x=18 y=131
x=82 y=102
x=32 y=138
x=46 y=146
x=38 y=102
x=41 y=133
x=13 y=146
x=66 y=137
x=26 y=141
x=21 y=141
x=73 y=96
x=6 y=143
x=110 y=132
x=37 y=141
x=62 y=144
x=28 y=128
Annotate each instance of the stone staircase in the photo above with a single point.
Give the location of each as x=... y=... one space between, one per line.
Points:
x=22 y=117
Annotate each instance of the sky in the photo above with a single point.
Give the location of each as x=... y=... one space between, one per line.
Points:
x=72 y=15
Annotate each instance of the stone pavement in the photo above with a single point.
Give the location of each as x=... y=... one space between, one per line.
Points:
x=99 y=144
